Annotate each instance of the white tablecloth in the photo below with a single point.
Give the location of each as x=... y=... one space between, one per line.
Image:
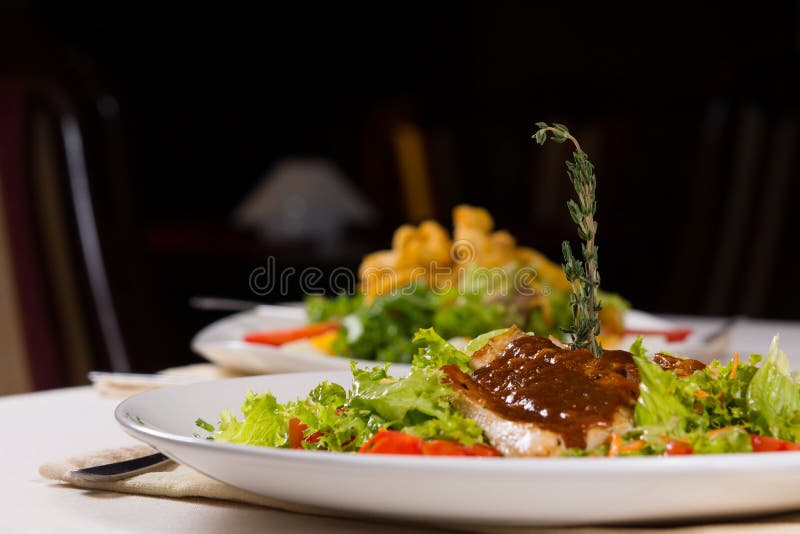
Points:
x=53 y=425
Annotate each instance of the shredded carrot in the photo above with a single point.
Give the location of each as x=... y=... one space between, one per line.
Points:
x=700 y=394
x=735 y=364
x=616 y=441
x=633 y=446
x=717 y=431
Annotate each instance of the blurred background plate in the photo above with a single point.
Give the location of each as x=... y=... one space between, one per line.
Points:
x=222 y=342
x=702 y=344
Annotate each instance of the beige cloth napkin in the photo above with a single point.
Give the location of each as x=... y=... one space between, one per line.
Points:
x=177 y=481
x=172 y=480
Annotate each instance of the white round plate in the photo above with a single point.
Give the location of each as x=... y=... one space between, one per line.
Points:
x=518 y=491
x=223 y=342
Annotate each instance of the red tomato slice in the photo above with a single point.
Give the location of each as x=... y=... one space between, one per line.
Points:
x=441 y=447
x=483 y=450
x=280 y=337
x=677 y=448
x=770 y=444
x=392 y=442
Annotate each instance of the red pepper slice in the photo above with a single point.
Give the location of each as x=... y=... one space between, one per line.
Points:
x=279 y=337
x=770 y=444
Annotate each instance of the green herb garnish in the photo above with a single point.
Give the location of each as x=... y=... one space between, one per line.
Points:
x=584 y=276
x=204 y=425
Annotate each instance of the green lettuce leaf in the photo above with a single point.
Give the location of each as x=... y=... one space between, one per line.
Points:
x=335 y=427
x=264 y=423
x=400 y=402
x=436 y=352
x=418 y=404
x=660 y=403
x=772 y=397
x=734 y=439
x=453 y=426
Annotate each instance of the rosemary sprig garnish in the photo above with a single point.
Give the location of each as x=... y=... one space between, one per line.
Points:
x=583 y=276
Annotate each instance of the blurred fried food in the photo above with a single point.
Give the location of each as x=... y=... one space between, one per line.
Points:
x=426 y=253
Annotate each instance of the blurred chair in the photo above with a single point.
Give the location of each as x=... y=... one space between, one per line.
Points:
x=740 y=209
x=70 y=239
x=754 y=190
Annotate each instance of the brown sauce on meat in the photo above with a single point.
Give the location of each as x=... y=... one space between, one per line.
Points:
x=564 y=391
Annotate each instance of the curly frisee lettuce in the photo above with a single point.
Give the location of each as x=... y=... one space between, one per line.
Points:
x=336 y=419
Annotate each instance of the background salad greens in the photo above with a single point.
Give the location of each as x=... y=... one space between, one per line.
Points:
x=382 y=329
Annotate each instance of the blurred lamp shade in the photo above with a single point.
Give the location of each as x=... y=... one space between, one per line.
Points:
x=303 y=200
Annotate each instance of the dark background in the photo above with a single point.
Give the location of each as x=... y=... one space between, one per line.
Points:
x=689 y=112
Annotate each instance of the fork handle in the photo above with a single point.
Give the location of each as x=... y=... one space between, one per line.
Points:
x=121 y=470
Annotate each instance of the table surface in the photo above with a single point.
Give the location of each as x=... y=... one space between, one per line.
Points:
x=53 y=425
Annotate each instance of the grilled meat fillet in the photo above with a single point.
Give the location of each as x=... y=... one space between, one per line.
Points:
x=534 y=398
x=494 y=347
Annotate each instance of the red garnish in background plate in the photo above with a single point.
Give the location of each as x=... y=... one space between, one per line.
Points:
x=672 y=336
x=280 y=337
